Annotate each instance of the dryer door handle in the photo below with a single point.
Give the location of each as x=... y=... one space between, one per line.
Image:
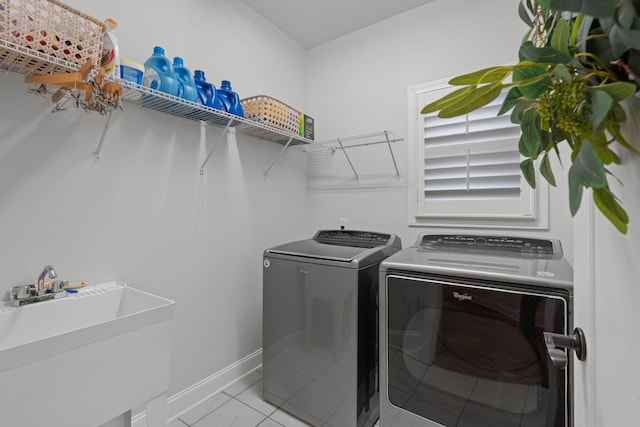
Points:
x=556 y=343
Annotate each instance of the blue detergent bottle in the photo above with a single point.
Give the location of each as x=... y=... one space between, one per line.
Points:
x=186 y=86
x=230 y=99
x=158 y=73
x=207 y=93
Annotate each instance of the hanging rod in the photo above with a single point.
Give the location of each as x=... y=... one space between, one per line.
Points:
x=382 y=137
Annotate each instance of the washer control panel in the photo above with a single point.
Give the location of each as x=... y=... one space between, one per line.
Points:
x=514 y=245
x=360 y=239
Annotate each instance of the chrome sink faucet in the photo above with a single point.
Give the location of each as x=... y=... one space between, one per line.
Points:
x=29 y=294
x=47 y=271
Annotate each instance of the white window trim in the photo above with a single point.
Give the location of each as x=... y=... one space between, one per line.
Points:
x=538 y=218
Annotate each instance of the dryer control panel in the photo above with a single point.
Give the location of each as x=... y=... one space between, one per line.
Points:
x=541 y=248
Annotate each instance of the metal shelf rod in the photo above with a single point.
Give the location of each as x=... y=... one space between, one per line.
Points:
x=277 y=157
x=363 y=136
x=96 y=154
x=348 y=159
x=393 y=157
x=224 y=132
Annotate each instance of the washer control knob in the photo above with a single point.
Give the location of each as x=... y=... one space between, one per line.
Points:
x=480 y=241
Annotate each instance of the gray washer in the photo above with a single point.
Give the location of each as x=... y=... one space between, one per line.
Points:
x=320 y=326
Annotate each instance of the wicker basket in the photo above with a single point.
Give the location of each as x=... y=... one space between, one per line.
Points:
x=57 y=37
x=271 y=112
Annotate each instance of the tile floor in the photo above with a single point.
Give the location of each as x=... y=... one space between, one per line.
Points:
x=238 y=405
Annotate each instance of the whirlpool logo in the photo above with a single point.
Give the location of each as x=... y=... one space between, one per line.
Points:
x=462 y=297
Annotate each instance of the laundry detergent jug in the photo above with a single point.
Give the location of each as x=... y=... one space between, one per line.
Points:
x=158 y=73
x=230 y=99
x=207 y=93
x=186 y=85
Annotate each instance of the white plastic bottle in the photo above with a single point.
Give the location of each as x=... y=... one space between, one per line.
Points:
x=110 y=55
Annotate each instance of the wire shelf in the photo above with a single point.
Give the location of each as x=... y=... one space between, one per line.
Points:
x=152 y=99
x=18 y=59
x=365 y=140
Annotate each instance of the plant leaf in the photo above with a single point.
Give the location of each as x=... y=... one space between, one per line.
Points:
x=626 y=14
x=618 y=91
x=587 y=168
x=446 y=100
x=577 y=25
x=620 y=39
x=575 y=195
x=614 y=130
x=475 y=99
x=519 y=109
x=545 y=138
x=614 y=32
x=601 y=103
x=511 y=100
x=530 y=144
x=613 y=156
x=529 y=172
x=560 y=37
x=532 y=81
x=630 y=37
x=562 y=73
x=545 y=54
x=524 y=14
x=600 y=143
x=595 y=8
x=487 y=75
x=545 y=170
x=618 y=114
x=611 y=209
x=600 y=44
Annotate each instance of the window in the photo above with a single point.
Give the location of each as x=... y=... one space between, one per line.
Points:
x=465 y=171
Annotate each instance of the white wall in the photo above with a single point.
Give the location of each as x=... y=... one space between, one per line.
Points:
x=144 y=214
x=606 y=295
x=358 y=84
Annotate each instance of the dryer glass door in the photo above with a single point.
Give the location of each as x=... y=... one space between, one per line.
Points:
x=472 y=353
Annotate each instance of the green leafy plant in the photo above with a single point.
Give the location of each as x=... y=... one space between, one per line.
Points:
x=578 y=62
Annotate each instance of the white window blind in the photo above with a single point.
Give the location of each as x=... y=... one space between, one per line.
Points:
x=472 y=157
x=468 y=167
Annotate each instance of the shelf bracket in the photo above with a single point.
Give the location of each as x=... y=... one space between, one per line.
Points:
x=223 y=134
x=96 y=154
x=348 y=159
x=395 y=165
x=277 y=157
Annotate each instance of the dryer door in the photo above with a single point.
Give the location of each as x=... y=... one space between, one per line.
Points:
x=472 y=353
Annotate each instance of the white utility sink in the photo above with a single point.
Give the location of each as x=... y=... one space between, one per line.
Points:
x=85 y=359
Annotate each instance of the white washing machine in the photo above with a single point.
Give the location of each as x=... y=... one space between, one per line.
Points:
x=466 y=323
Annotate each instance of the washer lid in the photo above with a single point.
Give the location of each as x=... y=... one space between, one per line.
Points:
x=337 y=245
x=314 y=249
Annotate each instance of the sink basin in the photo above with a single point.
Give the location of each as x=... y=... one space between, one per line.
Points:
x=84 y=359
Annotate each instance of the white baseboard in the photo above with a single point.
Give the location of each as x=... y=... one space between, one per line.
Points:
x=188 y=398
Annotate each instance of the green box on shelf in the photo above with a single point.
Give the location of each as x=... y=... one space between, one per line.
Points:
x=306 y=127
